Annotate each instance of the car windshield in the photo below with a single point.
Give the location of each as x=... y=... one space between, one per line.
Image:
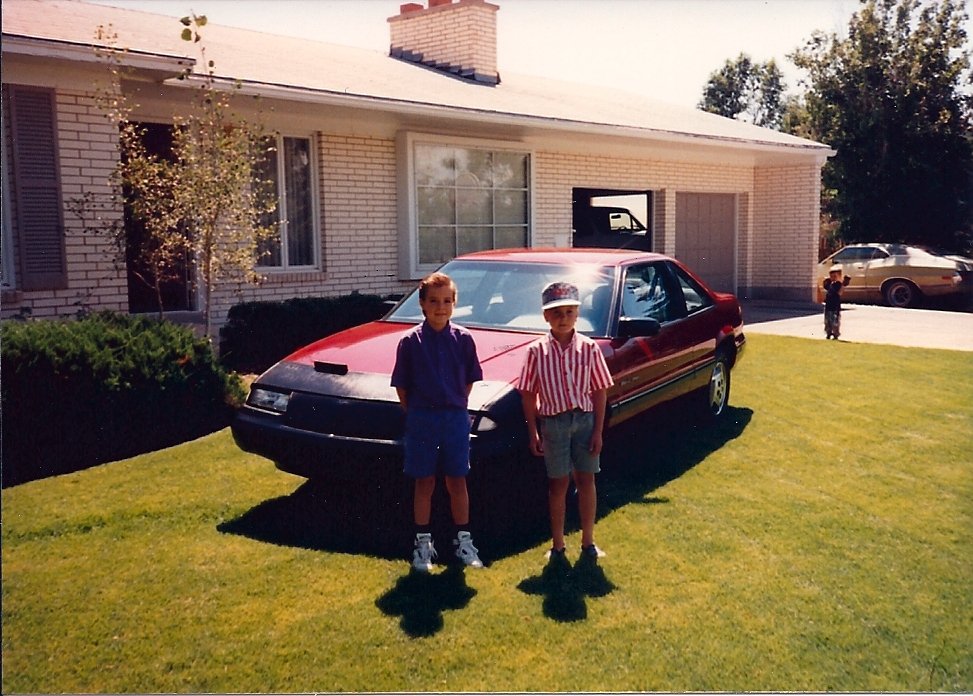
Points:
x=507 y=295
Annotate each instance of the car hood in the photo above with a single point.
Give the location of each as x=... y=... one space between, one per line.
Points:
x=358 y=362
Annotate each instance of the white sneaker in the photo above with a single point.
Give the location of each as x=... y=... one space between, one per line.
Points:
x=424 y=553
x=592 y=552
x=465 y=551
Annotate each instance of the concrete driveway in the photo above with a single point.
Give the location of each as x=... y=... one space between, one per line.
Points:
x=916 y=328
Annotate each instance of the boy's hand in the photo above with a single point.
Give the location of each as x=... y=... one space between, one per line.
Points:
x=594 y=447
x=536 y=445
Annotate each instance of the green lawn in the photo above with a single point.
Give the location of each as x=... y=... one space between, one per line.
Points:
x=821 y=538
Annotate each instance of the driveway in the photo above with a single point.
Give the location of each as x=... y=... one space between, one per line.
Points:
x=915 y=328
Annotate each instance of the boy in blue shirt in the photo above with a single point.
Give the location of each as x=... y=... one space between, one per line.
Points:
x=435 y=367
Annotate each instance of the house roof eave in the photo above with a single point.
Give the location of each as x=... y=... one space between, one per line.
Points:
x=422 y=109
x=154 y=66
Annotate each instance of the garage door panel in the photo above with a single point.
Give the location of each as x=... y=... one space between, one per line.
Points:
x=706 y=236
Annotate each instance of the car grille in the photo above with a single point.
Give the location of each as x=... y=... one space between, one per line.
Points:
x=357 y=418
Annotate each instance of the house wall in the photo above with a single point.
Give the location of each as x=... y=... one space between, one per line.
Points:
x=357 y=198
x=776 y=236
x=88 y=150
x=782 y=251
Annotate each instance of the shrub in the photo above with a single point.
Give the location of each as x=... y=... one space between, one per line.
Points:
x=258 y=334
x=104 y=387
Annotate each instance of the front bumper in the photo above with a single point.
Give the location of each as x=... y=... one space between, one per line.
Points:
x=309 y=453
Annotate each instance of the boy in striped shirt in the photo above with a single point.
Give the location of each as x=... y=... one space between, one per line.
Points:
x=563 y=385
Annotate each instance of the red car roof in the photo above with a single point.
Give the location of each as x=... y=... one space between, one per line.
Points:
x=604 y=257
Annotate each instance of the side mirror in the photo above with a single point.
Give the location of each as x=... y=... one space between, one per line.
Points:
x=629 y=327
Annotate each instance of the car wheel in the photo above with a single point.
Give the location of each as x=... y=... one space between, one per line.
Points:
x=716 y=394
x=900 y=293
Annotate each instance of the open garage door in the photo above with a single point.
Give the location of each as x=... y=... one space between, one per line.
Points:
x=613 y=218
x=706 y=237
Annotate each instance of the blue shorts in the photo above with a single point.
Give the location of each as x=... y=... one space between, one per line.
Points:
x=566 y=438
x=436 y=436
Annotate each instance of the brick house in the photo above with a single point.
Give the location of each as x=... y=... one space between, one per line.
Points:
x=388 y=164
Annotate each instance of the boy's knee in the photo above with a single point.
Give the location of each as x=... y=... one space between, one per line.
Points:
x=455 y=483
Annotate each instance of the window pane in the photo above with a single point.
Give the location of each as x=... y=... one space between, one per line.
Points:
x=435 y=166
x=300 y=219
x=268 y=251
x=437 y=206
x=470 y=239
x=511 y=236
x=644 y=294
x=478 y=197
x=510 y=169
x=436 y=244
x=478 y=167
x=474 y=206
x=511 y=207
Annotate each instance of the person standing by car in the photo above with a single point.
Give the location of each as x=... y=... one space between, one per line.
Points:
x=832 y=301
x=563 y=386
x=435 y=368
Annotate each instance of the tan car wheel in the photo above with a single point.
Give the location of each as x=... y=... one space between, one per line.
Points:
x=900 y=293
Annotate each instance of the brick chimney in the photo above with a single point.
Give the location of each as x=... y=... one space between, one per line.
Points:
x=458 y=37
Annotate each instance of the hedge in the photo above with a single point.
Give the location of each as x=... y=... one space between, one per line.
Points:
x=104 y=387
x=258 y=334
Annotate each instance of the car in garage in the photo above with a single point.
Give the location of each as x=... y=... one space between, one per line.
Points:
x=897 y=274
x=663 y=331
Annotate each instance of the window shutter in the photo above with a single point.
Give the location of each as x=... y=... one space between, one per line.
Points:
x=40 y=223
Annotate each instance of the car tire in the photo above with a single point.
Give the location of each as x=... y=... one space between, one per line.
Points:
x=714 y=397
x=900 y=293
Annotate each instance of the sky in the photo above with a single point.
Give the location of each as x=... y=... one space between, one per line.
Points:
x=666 y=49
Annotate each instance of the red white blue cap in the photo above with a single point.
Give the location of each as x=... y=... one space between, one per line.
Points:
x=559 y=295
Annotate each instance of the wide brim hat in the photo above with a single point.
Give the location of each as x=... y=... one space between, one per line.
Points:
x=559 y=295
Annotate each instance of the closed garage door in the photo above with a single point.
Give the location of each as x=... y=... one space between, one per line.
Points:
x=706 y=236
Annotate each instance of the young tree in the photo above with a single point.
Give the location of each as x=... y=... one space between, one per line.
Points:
x=889 y=99
x=747 y=91
x=206 y=201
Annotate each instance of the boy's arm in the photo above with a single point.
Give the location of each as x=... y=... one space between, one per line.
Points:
x=529 y=401
x=600 y=399
x=403 y=400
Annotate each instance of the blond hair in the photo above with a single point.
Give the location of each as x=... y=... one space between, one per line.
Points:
x=436 y=280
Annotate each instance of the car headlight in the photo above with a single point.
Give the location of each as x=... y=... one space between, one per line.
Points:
x=269 y=400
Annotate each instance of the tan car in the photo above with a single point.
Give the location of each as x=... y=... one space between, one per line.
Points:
x=897 y=274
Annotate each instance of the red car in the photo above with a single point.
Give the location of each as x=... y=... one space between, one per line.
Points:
x=664 y=333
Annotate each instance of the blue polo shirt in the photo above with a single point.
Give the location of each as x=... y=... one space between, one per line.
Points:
x=435 y=367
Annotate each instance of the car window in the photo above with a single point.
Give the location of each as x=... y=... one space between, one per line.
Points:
x=695 y=297
x=857 y=254
x=507 y=295
x=644 y=293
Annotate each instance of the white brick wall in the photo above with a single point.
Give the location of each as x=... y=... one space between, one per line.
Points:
x=777 y=226
x=460 y=34
x=784 y=244
x=357 y=207
x=776 y=239
x=88 y=151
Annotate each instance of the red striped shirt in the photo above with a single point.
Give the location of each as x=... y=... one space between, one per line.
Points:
x=564 y=377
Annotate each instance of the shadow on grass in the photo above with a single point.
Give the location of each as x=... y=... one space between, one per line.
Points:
x=564 y=587
x=421 y=598
x=508 y=498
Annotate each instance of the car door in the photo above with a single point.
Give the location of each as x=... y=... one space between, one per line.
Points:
x=644 y=365
x=696 y=331
x=855 y=263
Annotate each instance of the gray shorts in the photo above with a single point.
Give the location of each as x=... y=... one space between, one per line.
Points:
x=566 y=438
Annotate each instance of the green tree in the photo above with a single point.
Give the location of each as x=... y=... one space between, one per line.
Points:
x=205 y=202
x=889 y=99
x=747 y=91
